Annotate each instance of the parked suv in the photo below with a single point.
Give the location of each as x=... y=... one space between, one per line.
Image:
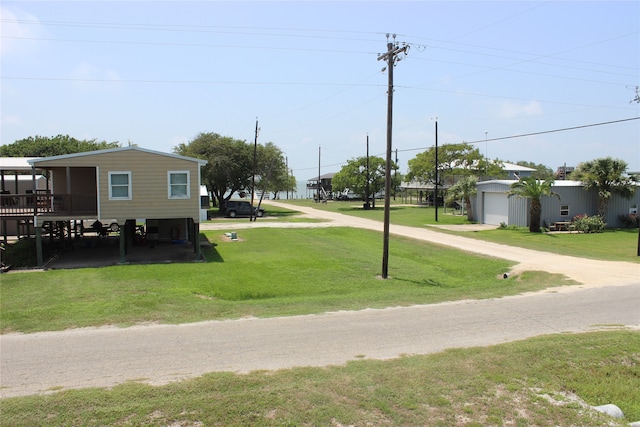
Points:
x=236 y=208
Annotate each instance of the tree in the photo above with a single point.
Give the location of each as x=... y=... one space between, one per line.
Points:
x=353 y=176
x=533 y=189
x=230 y=163
x=461 y=159
x=271 y=172
x=607 y=176
x=542 y=172
x=464 y=189
x=42 y=146
x=453 y=159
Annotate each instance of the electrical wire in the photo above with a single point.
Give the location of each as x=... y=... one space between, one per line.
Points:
x=500 y=138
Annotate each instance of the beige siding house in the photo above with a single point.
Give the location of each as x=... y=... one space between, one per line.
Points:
x=124 y=186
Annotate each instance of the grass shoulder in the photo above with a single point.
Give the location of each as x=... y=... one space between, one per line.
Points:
x=548 y=380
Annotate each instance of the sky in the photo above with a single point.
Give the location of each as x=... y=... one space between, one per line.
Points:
x=549 y=82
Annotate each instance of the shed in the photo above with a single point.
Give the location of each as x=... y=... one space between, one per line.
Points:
x=493 y=206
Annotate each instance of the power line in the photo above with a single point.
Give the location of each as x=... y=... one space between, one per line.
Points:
x=534 y=133
x=498 y=139
x=554 y=130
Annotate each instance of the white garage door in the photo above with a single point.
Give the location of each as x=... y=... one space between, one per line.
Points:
x=496 y=208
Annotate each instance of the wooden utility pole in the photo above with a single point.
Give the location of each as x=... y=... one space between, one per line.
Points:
x=435 y=196
x=318 y=187
x=253 y=178
x=391 y=57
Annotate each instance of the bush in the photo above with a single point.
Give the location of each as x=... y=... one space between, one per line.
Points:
x=20 y=254
x=588 y=224
x=630 y=221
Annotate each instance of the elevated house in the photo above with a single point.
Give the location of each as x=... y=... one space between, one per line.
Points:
x=121 y=188
x=493 y=206
x=320 y=185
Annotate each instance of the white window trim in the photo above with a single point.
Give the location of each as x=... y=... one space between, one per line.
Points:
x=186 y=196
x=568 y=209
x=129 y=190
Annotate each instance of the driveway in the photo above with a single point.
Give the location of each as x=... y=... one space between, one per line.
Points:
x=158 y=354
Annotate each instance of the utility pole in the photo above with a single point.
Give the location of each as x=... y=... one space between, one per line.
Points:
x=318 y=187
x=395 y=176
x=366 y=203
x=391 y=57
x=253 y=178
x=435 y=196
x=286 y=165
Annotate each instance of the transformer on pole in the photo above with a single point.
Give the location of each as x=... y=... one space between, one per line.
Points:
x=394 y=50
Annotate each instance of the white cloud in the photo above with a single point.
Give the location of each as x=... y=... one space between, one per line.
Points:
x=511 y=109
x=90 y=77
x=17 y=29
x=11 y=119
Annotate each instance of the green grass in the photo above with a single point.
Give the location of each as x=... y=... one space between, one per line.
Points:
x=272 y=213
x=525 y=383
x=611 y=245
x=268 y=272
x=400 y=214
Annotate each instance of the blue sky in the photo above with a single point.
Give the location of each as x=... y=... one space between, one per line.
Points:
x=158 y=73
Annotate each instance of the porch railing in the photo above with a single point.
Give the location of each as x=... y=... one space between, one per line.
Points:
x=21 y=205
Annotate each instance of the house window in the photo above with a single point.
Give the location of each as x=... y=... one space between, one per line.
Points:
x=564 y=210
x=178 y=184
x=119 y=185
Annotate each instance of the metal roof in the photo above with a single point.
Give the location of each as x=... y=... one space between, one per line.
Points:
x=16 y=163
x=112 y=150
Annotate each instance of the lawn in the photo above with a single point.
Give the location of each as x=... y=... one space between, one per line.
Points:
x=543 y=381
x=267 y=272
x=401 y=214
x=611 y=245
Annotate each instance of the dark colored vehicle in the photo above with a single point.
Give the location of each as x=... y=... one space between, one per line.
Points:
x=239 y=208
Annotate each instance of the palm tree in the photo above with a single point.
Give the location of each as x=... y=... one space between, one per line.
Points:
x=607 y=176
x=464 y=189
x=533 y=189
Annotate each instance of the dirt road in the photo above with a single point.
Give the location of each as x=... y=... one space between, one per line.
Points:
x=157 y=354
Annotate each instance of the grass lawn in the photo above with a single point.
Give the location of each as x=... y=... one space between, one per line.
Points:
x=268 y=272
x=612 y=245
x=409 y=215
x=272 y=213
x=536 y=382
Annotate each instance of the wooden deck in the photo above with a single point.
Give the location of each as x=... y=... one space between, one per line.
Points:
x=14 y=206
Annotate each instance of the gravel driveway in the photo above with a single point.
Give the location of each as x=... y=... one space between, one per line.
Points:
x=158 y=354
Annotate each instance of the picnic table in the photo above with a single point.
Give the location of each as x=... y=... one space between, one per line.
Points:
x=562 y=225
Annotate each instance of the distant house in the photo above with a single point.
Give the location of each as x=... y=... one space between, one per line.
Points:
x=564 y=171
x=320 y=185
x=514 y=171
x=493 y=206
x=125 y=185
x=423 y=192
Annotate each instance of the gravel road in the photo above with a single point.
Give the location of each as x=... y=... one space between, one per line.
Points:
x=158 y=354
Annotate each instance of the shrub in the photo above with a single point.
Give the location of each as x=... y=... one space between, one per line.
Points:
x=588 y=224
x=630 y=221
